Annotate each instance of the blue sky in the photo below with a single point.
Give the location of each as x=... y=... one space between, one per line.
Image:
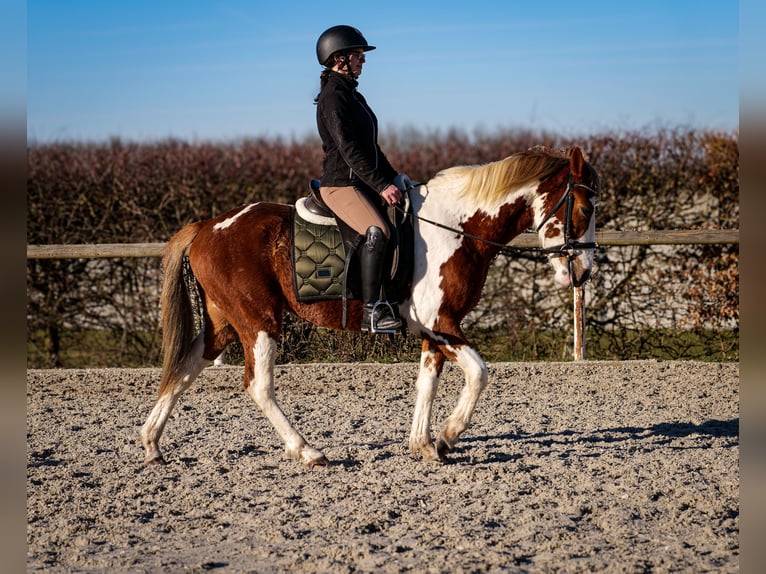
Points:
x=221 y=70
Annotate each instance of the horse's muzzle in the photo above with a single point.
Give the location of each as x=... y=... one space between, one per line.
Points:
x=570 y=272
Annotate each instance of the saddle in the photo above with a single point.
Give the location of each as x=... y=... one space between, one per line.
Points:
x=324 y=265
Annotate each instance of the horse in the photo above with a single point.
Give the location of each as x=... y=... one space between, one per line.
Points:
x=463 y=217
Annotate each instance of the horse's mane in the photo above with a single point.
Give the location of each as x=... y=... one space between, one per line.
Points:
x=498 y=178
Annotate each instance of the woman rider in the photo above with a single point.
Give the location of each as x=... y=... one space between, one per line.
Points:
x=357 y=178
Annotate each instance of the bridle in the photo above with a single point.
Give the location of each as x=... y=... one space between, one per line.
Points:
x=569 y=249
x=569 y=246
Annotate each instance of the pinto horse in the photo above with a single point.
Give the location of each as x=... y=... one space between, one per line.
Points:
x=241 y=261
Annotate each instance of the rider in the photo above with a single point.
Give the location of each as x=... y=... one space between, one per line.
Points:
x=357 y=178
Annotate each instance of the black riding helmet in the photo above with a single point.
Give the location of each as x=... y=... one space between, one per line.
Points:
x=339 y=38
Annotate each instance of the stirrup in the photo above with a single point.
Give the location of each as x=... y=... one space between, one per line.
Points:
x=373 y=327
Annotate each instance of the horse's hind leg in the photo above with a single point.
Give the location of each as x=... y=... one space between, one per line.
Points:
x=172 y=386
x=476 y=377
x=259 y=382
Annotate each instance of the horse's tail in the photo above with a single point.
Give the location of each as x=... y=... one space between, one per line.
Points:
x=177 y=318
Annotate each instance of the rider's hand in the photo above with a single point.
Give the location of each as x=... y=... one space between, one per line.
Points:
x=391 y=195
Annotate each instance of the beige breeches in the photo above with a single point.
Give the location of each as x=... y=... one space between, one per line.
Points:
x=350 y=205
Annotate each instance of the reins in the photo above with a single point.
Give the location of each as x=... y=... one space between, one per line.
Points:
x=568 y=249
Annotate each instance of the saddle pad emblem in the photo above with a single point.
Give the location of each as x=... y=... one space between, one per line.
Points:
x=319 y=257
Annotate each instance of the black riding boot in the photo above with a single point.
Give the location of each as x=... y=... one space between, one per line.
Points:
x=378 y=316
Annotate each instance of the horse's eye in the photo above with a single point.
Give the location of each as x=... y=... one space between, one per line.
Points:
x=587 y=212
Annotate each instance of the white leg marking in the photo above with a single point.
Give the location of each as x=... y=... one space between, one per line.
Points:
x=476 y=377
x=155 y=423
x=427 y=385
x=220 y=360
x=261 y=390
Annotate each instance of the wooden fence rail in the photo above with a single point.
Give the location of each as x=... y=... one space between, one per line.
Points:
x=622 y=238
x=605 y=238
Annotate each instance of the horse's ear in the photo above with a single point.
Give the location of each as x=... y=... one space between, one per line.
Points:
x=576 y=162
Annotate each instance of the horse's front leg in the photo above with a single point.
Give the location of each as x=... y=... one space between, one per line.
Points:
x=476 y=377
x=261 y=389
x=431 y=365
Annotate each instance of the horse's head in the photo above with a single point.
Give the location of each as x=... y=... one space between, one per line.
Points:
x=566 y=222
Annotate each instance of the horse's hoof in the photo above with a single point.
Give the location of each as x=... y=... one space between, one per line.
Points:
x=319 y=464
x=310 y=457
x=155 y=461
x=427 y=452
x=442 y=449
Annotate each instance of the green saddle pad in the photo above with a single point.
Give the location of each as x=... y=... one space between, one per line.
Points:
x=319 y=258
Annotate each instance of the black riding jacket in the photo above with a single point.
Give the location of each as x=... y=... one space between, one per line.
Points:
x=349 y=132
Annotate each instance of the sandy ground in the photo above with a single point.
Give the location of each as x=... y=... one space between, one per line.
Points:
x=567 y=467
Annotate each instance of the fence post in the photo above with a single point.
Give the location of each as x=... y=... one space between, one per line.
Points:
x=579 y=323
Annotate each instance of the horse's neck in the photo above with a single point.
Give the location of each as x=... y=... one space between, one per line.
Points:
x=440 y=200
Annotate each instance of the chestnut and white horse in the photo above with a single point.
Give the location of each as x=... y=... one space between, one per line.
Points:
x=241 y=261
